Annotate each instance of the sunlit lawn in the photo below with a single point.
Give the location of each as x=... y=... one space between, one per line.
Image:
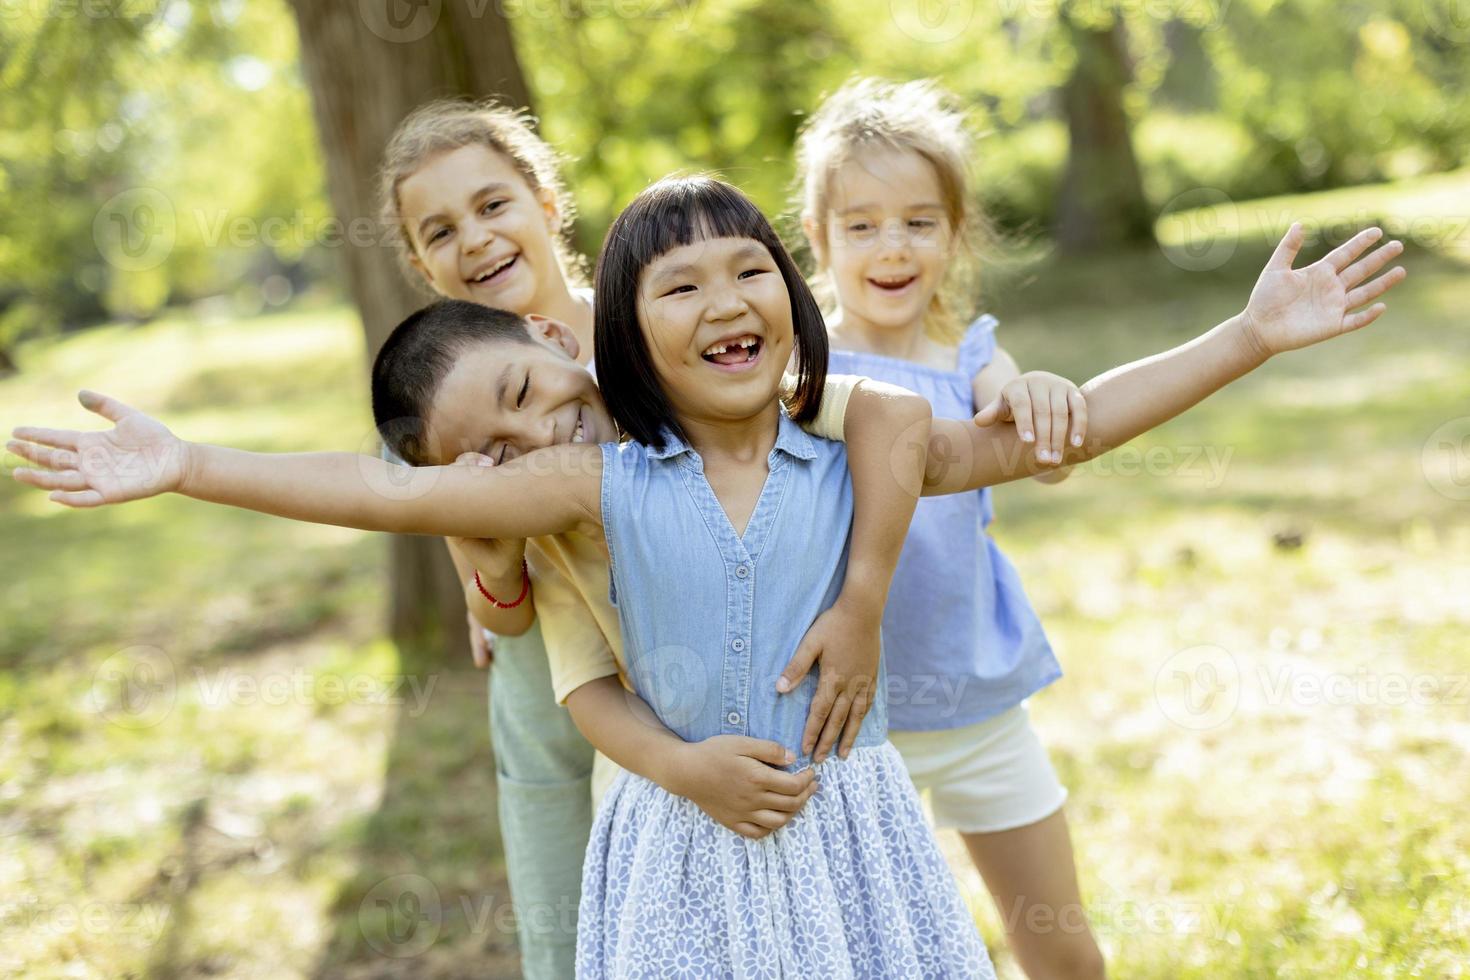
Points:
x=1261 y=610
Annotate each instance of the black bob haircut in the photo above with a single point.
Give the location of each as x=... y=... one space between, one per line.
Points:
x=673 y=213
x=416 y=358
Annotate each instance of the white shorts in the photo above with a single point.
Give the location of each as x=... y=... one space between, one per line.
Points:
x=983 y=778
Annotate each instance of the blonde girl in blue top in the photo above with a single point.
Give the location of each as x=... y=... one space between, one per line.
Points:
x=885 y=205
x=727 y=534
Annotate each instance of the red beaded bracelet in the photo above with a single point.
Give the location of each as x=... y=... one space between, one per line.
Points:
x=525 y=589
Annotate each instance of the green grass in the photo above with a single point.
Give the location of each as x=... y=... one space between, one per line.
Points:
x=177 y=827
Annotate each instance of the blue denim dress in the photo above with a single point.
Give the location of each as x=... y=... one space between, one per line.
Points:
x=854 y=885
x=962 y=641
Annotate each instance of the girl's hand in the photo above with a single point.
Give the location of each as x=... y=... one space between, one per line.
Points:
x=736 y=781
x=1043 y=406
x=139 y=457
x=845 y=638
x=482 y=651
x=1291 y=308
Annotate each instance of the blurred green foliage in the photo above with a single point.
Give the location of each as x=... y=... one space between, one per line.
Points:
x=191 y=117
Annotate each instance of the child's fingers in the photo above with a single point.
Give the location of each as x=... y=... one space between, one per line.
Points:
x=1020 y=404
x=996 y=411
x=104 y=405
x=1342 y=256
x=819 y=717
x=833 y=728
x=801 y=662
x=861 y=702
x=764 y=750
x=783 y=803
x=771 y=819
x=1286 y=249
x=1360 y=319
x=56 y=438
x=1060 y=419
x=1361 y=270
x=52 y=479
x=1078 y=409
x=785 y=783
x=52 y=459
x=1368 y=292
x=1041 y=412
x=747 y=829
x=80 y=498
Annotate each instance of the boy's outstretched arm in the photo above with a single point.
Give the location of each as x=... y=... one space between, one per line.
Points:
x=545 y=492
x=1288 y=309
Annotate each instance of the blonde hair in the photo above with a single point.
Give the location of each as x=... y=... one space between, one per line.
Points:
x=448 y=124
x=913 y=117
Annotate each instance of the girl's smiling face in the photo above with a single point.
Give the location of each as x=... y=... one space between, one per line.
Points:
x=479 y=231
x=716 y=316
x=887 y=238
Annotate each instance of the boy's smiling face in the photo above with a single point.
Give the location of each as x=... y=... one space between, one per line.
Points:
x=504 y=400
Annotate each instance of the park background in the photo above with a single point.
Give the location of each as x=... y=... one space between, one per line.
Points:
x=236 y=746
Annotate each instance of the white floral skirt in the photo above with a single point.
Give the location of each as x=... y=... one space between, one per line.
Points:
x=854 y=886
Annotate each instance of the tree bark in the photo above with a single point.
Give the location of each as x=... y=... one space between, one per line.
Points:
x=368 y=63
x=1101 y=204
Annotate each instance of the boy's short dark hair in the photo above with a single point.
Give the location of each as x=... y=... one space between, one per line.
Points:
x=416 y=358
x=672 y=213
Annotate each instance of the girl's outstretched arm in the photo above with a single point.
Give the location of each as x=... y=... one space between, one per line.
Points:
x=544 y=492
x=1288 y=309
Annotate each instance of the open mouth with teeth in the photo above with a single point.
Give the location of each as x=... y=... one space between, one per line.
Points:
x=496 y=272
x=893 y=284
x=733 y=353
x=579 y=434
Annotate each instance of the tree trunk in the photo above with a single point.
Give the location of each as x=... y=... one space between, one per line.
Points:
x=368 y=63
x=1101 y=204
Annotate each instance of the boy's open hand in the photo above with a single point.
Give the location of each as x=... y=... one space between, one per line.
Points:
x=138 y=457
x=1291 y=308
x=845 y=638
x=1044 y=406
x=738 y=782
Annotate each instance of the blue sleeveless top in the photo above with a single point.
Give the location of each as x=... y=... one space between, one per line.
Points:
x=711 y=618
x=961 y=640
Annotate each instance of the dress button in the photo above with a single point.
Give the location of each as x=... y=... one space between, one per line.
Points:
x=741 y=571
x=737 y=644
x=733 y=717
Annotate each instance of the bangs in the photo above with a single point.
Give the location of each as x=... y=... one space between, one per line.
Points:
x=676 y=213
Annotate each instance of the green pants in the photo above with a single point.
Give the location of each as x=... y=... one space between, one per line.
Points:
x=543 y=779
